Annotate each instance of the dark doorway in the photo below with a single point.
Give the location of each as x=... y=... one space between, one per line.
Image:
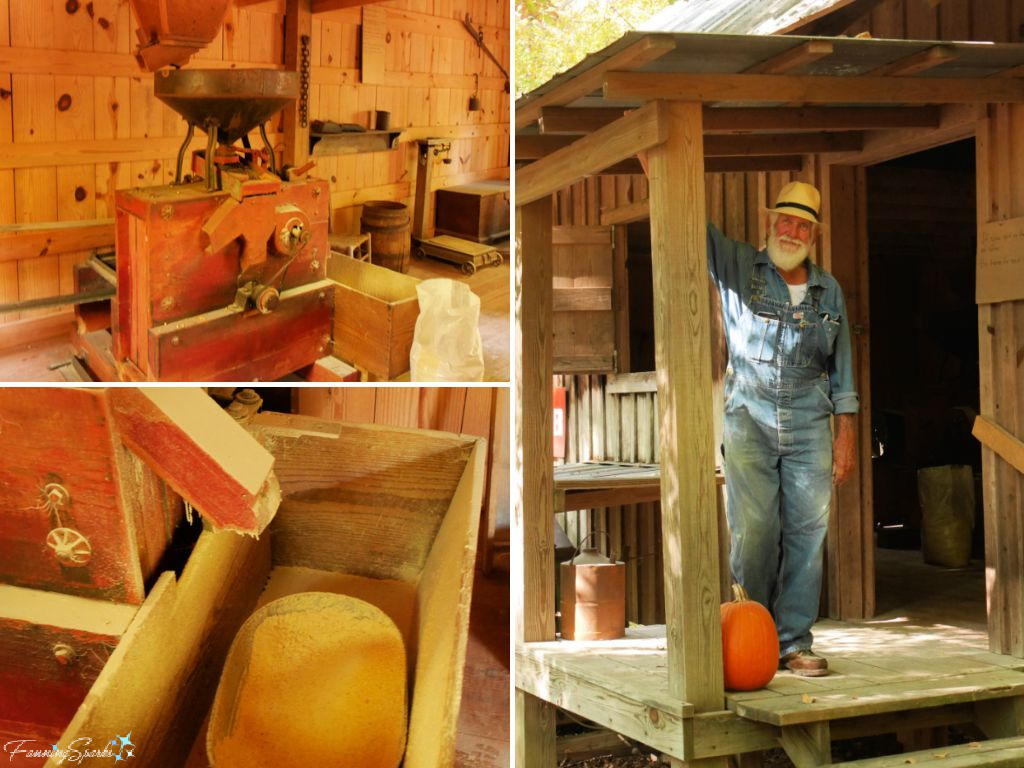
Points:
x=924 y=368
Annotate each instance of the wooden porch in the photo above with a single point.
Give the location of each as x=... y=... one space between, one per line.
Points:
x=924 y=662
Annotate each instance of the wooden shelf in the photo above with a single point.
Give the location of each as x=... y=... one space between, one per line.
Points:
x=350 y=143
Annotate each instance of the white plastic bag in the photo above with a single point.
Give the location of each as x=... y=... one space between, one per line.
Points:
x=446 y=342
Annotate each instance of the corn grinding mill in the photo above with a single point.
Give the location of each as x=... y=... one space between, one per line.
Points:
x=221 y=275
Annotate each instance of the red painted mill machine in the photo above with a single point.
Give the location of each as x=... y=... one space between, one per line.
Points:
x=220 y=275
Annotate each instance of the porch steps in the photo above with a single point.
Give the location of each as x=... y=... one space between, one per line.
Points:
x=994 y=753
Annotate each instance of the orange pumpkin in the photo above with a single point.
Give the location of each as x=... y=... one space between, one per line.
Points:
x=750 y=644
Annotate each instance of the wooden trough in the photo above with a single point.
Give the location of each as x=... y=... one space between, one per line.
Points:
x=386 y=515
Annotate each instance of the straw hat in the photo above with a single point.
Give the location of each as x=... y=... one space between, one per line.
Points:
x=799 y=199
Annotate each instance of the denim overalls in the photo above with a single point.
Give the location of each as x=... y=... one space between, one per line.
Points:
x=789 y=370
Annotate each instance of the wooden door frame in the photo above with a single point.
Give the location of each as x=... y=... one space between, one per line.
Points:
x=850 y=570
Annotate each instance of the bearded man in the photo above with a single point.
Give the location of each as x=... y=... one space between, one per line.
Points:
x=790 y=372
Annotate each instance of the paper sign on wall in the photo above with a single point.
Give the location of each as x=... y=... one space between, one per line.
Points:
x=1000 y=275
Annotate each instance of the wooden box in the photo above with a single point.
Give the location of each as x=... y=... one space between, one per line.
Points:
x=478 y=211
x=361 y=505
x=375 y=312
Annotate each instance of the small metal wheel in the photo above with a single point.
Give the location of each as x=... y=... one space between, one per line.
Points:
x=419 y=253
x=469 y=268
x=500 y=261
x=69 y=546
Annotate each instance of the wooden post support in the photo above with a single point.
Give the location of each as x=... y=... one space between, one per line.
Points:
x=683 y=359
x=298 y=23
x=534 y=513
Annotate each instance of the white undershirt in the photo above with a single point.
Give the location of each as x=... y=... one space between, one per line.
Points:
x=796 y=293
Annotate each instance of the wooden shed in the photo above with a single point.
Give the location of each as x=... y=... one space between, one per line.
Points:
x=725 y=121
x=392 y=102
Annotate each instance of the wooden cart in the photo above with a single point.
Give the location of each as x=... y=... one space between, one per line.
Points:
x=463 y=253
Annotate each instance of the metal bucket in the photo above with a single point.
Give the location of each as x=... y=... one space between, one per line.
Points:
x=387 y=223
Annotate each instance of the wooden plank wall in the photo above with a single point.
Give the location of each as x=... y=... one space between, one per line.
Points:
x=478 y=411
x=78 y=118
x=993 y=20
x=418 y=62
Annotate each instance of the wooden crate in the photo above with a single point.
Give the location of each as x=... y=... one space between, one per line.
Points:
x=478 y=211
x=375 y=312
x=359 y=503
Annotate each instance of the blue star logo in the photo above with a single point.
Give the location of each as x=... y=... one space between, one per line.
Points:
x=55 y=747
x=121 y=743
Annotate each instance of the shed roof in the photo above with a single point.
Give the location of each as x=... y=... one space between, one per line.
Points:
x=585 y=84
x=742 y=17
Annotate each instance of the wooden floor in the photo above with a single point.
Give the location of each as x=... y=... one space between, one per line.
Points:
x=37 y=359
x=927 y=650
x=484 y=719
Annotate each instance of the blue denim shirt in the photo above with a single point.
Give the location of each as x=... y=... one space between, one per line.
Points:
x=768 y=337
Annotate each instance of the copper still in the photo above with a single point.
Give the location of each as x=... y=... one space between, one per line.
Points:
x=593 y=597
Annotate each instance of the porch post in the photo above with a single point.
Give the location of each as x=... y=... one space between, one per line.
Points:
x=683 y=361
x=534 y=512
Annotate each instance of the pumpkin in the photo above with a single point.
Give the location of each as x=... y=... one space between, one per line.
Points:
x=750 y=644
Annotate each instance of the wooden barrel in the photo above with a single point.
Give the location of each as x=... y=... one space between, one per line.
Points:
x=387 y=223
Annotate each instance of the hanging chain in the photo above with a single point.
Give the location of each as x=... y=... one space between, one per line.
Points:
x=304 y=83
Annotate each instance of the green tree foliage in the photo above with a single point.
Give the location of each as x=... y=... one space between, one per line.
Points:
x=552 y=35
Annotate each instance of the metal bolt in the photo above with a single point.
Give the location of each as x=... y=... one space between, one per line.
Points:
x=322 y=295
x=314 y=265
x=167 y=212
x=175 y=341
x=64 y=654
x=167 y=302
x=56 y=495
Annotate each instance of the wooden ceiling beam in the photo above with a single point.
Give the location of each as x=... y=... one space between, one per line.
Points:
x=917 y=62
x=635 y=132
x=750 y=144
x=753 y=164
x=644 y=50
x=794 y=58
x=579 y=120
x=645 y=86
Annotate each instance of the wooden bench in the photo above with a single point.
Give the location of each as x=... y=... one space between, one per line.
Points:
x=995 y=753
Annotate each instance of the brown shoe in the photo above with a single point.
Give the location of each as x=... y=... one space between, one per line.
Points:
x=805 y=663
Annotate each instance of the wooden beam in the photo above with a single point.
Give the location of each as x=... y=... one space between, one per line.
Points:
x=556 y=120
x=201 y=452
x=534 y=505
x=814 y=89
x=736 y=164
x=748 y=145
x=683 y=361
x=323 y=6
x=644 y=50
x=917 y=62
x=782 y=144
x=298 y=26
x=26 y=241
x=795 y=57
x=577 y=119
x=635 y=132
x=1009 y=448
x=93 y=151
x=1017 y=71
x=624 y=214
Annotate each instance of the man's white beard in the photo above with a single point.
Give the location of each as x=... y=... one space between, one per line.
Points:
x=784 y=258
